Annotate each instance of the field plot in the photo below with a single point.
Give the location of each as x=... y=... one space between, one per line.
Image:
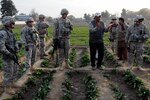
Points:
x=115 y=82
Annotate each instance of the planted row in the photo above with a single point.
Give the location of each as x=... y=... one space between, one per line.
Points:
x=146 y=59
x=66 y=85
x=117 y=93
x=44 y=88
x=136 y=83
x=36 y=86
x=45 y=63
x=72 y=56
x=109 y=56
x=85 y=58
x=92 y=92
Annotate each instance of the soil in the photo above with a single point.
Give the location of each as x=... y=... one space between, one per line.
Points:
x=77 y=62
x=103 y=85
x=56 y=92
x=129 y=93
x=78 y=86
x=144 y=76
x=31 y=92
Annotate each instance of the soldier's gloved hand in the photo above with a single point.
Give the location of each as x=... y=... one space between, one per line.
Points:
x=12 y=56
x=20 y=45
x=26 y=48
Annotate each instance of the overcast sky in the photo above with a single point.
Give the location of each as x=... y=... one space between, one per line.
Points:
x=79 y=7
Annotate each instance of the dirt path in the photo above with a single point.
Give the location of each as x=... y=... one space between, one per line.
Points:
x=103 y=85
x=56 y=92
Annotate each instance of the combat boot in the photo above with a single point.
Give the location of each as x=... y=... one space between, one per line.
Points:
x=67 y=66
x=1 y=84
x=9 y=90
x=62 y=66
x=45 y=54
x=140 y=68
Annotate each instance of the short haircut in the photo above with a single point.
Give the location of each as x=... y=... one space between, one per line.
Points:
x=122 y=19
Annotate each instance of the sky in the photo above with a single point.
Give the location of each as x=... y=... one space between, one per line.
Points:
x=79 y=7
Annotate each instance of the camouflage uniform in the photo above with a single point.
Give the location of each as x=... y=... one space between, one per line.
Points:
x=29 y=37
x=7 y=42
x=135 y=37
x=62 y=30
x=113 y=37
x=42 y=29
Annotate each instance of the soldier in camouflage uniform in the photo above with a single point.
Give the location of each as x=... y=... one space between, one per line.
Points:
x=135 y=37
x=42 y=29
x=62 y=30
x=113 y=35
x=29 y=38
x=8 y=45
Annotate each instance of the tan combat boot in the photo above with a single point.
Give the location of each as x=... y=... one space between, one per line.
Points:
x=30 y=70
x=9 y=90
x=62 y=66
x=67 y=66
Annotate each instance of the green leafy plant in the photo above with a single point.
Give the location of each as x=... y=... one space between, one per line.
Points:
x=85 y=58
x=146 y=59
x=72 y=56
x=144 y=93
x=45 y=63
x=117 y=93
x=66 y=90
x=92 y=92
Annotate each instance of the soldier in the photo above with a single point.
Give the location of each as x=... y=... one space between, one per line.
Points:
x=8 y=49
x=42 y=29
x=62 y=31
x=113 y=35
x=135 y=37
x=96 y=31
x=29 y=37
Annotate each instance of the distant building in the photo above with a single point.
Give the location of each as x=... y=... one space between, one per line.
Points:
x=21 y=17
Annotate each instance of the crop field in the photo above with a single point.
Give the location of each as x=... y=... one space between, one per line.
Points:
x=117 y=81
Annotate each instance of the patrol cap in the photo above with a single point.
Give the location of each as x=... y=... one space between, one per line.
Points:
x=41 y=16
x=139 y=18
x=30 y=19
x=7 y=20
x=64 y=11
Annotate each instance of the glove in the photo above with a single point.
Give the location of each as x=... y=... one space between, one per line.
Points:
x=19 y=45
x=111 y=40
x=12 y=56
x=26 y=48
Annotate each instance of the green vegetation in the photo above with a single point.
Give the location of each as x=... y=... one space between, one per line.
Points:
x=67 y=90
x=33 y=82
x=72 y=57
x=117 y=93
x=84 y=58
x=92 y=92
x=110 y=57
x=45 y=63
x=137 y=84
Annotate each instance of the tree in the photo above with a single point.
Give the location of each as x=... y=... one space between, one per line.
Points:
x=124 y=14
x=8 y=8
x=105 y=14
x=71 y=17
x=87 y=17
x=33 y=14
